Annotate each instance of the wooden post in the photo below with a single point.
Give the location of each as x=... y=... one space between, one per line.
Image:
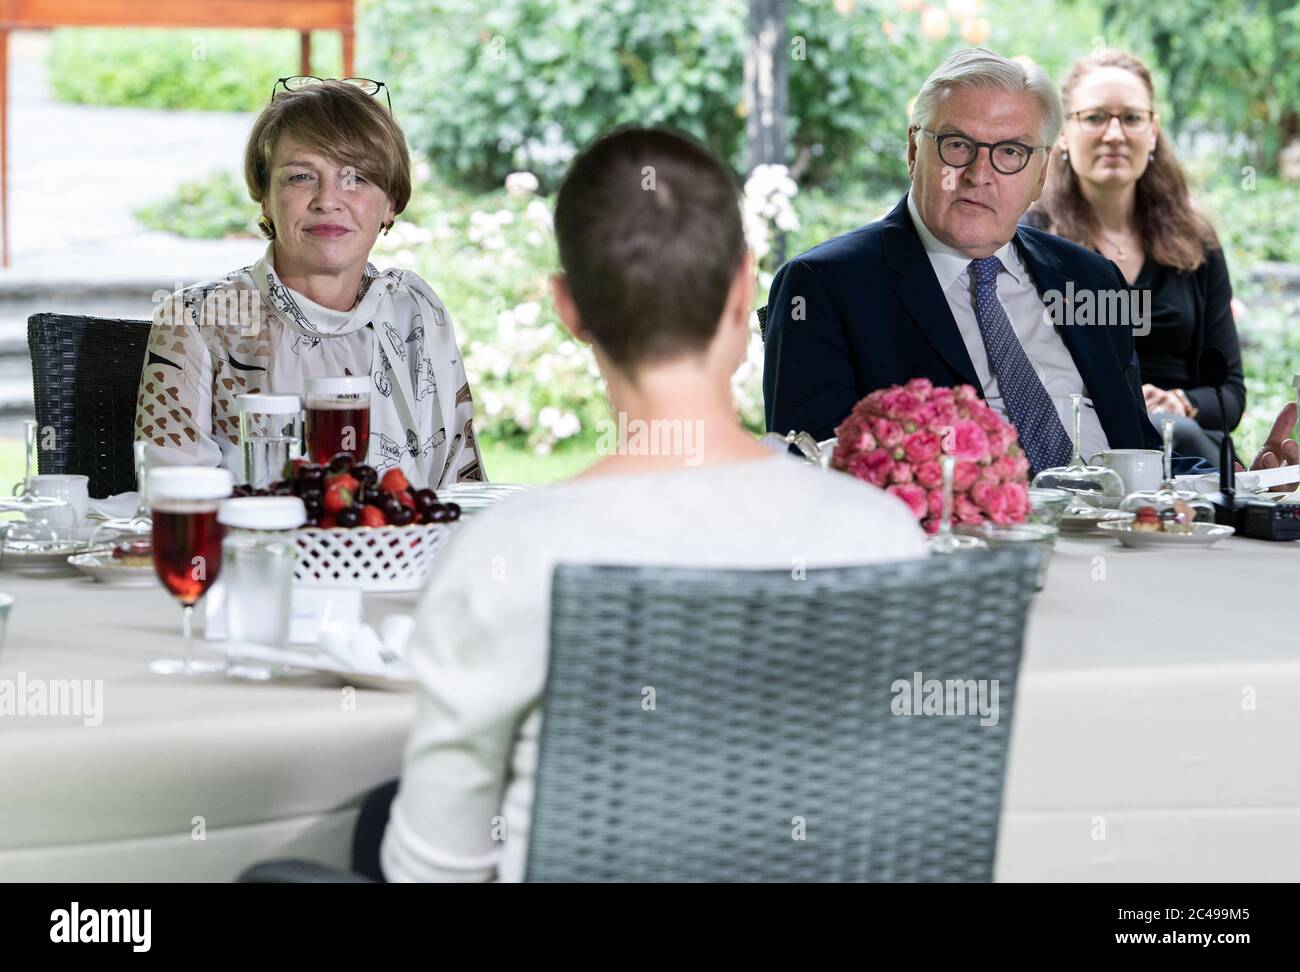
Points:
x=4 y=147
x=767 y=89
x=304 y=52
x=349 y=50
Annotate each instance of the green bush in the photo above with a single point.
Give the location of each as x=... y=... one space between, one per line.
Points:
x=203 y=69
x=212 y=208
x=540 y=78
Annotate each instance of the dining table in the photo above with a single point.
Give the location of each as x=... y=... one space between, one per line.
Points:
x=1155 y=732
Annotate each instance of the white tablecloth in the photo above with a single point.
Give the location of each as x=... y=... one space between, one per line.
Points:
x=1133 y=757
x=1136 y=754
x=184 y=779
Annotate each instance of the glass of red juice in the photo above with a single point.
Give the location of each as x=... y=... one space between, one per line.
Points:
x=337 y=417
x=183 y=501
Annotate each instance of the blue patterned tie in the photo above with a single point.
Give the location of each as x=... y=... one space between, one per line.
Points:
x=1029 y=406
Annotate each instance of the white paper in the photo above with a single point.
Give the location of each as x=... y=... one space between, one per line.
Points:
x=1254 y=479
x=310 y=608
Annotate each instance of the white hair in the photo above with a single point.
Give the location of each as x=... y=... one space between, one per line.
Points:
x=974 y=67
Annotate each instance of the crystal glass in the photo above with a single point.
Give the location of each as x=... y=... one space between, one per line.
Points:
x=139 y=524
x=187 y=547
x=945 y=541
x=1175 y=509
x=270 y=435
x=337 y=417
x=259 y=556
x=1047 y=506
x=1091 y=486
x=23 y=499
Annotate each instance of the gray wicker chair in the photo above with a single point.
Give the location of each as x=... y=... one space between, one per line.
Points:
x=85 y=377
x=771 y=706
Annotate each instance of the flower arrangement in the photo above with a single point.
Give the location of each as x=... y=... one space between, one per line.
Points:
x=895 y=437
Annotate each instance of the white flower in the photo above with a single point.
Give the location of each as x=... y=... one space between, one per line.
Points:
x=521 y=184
x=787 y=221
x=548 y=417
x=567 y=426
x=534 y=239
x=504 y=217
x=537 y=212
x=527 y=313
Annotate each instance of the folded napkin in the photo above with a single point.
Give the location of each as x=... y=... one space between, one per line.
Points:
x=112 y=507
x=358 y=648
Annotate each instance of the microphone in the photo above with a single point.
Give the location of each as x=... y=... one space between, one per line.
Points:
x=1213 y=367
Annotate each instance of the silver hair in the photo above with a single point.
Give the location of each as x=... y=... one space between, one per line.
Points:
x=974 y=67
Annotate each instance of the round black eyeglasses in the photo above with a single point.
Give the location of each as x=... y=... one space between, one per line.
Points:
x=300 y=81
x=958 y=150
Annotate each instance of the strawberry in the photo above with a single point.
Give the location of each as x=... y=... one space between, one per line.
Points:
x=346 y=480
x=337 y=497
x=407 y=500
x=394 y=481
x=327 y=522
x=372 y=516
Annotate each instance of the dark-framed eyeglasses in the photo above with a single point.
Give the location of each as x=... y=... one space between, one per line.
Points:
x=300 y=81
x=1094 y=121
x=958 y=151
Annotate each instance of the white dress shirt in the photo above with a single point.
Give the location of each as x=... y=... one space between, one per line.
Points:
x=1029 y=319
x=479 y=651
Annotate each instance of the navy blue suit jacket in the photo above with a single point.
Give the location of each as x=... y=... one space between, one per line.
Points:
x=873 y=316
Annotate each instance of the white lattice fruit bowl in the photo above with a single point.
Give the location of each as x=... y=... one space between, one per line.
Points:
x=377 y=560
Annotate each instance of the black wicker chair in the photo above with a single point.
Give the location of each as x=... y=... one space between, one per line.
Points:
x=772 y=720
x=762 y=322
x=85 y=377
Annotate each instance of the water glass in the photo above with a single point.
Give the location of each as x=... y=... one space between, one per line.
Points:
x=270 y=434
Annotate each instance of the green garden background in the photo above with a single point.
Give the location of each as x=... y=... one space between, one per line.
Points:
x=496 y=97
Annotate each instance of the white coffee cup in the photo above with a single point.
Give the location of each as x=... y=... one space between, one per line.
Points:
x=73 y=489
x=1141 y=469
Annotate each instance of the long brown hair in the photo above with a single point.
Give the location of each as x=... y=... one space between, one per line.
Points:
x=1171 y=230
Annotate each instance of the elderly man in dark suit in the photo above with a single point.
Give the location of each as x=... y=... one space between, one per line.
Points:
x=949 y=287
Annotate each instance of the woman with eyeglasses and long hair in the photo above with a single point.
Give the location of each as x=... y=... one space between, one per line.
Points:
x=328 y=165
x=1115 y=186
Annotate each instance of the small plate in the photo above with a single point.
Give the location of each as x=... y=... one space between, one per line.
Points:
x=1088 y=521
x=40 y=556
x=1202 y=535
x=477 y=497
x=102 y=568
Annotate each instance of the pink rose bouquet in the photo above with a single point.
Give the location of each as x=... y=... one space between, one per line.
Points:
x=895 y=437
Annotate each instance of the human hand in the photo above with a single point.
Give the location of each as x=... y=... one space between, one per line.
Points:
x=1279 y=448
x=1160 y=400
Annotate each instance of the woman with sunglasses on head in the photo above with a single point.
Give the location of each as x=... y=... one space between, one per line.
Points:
x=329 y=167
x=1115 y=186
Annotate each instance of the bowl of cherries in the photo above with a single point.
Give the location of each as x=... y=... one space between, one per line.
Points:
x=345 y=494
x=366 y=531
